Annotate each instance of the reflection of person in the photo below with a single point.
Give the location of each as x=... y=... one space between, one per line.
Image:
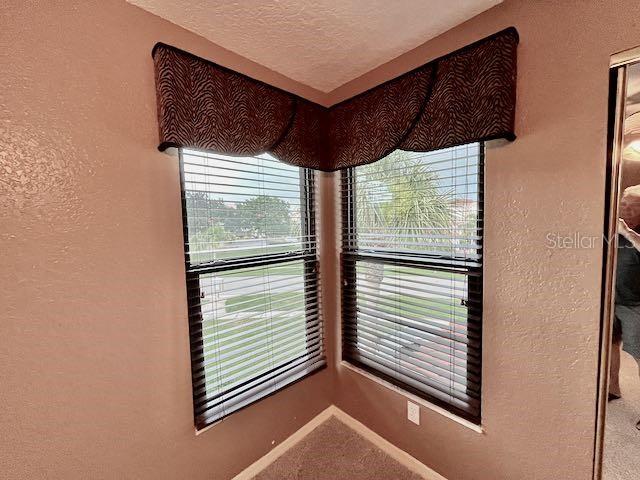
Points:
x=626 y=324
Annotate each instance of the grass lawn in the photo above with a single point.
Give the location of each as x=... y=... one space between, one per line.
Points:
x=259 y=303
x=254 y=331
x=442 y=310
x=426 y=272
x=257 y=342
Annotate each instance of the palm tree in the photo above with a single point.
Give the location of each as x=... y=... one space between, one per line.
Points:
x=398 y=204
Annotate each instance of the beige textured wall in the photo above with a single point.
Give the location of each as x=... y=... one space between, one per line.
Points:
x=94 y=355
x=541 y=305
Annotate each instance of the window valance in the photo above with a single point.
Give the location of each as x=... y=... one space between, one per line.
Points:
x=466 y=96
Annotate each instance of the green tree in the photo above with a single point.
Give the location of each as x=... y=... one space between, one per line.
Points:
x=263 y=216
x=207 y=218
x=203 y=243
x=206 y=212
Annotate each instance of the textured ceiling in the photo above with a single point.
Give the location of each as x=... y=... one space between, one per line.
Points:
x=321 y=43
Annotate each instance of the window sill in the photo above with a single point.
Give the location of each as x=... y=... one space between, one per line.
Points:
x=414 y=398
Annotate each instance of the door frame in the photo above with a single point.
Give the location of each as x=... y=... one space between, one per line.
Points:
x=618 y=73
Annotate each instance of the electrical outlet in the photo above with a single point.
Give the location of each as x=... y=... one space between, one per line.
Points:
x=413 y=412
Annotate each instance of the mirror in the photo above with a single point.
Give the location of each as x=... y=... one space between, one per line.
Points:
x=620 y=403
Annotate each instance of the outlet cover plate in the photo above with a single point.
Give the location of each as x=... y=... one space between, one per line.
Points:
x=413 y=412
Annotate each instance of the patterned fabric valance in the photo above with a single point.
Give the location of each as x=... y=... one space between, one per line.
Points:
x=466 y=96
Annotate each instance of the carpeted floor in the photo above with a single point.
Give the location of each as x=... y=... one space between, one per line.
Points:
x=622 y=440
x=333 y=451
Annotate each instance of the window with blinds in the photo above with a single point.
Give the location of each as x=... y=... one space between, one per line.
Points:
x=252 y=279
x=412 y=273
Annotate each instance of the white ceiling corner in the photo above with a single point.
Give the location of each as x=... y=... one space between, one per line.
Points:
x=321 y=43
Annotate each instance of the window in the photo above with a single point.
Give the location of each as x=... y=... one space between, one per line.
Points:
x=252 y=281
x=412 y=273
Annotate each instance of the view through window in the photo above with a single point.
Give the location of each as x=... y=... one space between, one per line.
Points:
x=412 y=269
x=252 y=280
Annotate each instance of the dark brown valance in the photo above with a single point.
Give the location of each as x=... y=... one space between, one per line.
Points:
x=466 y=96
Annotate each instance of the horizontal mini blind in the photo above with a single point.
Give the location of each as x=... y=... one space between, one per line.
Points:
x=412 y=273
x=252 y=279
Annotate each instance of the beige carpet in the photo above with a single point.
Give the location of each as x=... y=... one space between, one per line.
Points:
x=334 y=451
x=622 y=440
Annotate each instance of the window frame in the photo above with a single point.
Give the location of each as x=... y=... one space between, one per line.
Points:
x=307 y=254
x=351 y=254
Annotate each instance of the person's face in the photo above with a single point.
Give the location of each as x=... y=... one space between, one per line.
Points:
x=630 y=209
